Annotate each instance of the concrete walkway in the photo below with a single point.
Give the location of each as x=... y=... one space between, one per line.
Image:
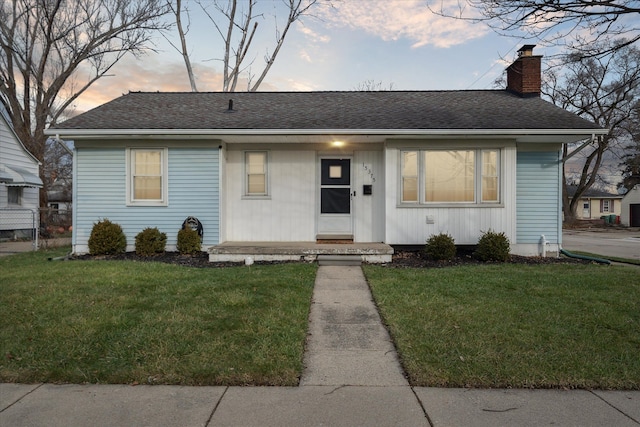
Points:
x=347 y=344
x=352 y=378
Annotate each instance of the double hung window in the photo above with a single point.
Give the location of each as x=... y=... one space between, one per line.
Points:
x=256 y=178
x=147 y=176
x=450 y=176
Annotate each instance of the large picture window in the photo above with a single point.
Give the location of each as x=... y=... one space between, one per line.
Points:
x=147 y=176
x=255 y=173
x=450 y=176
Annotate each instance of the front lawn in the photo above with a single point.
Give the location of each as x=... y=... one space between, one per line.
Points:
x=539 y=326
x=151 y=323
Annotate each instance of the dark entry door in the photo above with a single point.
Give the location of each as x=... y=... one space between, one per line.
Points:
x=335 y=196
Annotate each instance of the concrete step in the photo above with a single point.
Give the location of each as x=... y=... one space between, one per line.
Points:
x=339 y=260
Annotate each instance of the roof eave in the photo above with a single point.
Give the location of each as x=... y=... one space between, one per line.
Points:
x=217 y=133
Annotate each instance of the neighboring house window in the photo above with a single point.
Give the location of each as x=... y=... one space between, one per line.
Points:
x=147 y=176
x=14 y=195
x=256 y=179
x=450 y=176
x=606 y=206
x=585 y=205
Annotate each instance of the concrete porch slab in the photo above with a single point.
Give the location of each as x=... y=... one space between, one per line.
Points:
x=375 y=253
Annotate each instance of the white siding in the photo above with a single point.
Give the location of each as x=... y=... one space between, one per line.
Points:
x=368 y=210
x=538 y=197
x=631 y=198
x=13 y=153
x=408 y=225
x=99 y=192
x=287 y=214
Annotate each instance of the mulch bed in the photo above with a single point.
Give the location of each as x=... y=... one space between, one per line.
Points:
x=418 y=259
x=401 y=259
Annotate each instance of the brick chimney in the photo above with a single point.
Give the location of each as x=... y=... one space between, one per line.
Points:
x=523 y=76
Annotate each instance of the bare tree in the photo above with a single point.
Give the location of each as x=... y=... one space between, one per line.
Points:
x=604 y=90
x=236 y=22
x=631 y=159
x=46 y=45
x=373 y=86
x=588 y=28
x=182 y=34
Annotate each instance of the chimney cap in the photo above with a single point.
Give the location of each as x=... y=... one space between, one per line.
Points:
x=526 y=50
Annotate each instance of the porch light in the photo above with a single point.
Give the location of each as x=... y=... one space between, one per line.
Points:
x=337 y=144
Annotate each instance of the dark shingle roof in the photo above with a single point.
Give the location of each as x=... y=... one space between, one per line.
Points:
x=459 y=110
x=592 y=192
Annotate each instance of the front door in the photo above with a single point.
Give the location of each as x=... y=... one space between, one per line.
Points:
x=334 y=218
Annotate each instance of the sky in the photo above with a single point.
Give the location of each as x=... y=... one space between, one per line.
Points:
x=397 y=44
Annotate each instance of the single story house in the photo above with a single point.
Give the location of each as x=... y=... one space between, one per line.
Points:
x=20 y=184
x=594 y=203
x=630 y=208
x=386 y=166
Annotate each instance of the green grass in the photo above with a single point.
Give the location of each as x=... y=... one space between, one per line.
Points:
x=540 y=326
x=128 y=322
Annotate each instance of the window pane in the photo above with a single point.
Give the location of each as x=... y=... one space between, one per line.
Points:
x=148 y=163
x=256 y=184
x=256 y=173
x=147 y=188
x=449 y=176
x=147 y=175
x=410 y=176
x=14 y=195
x=255 y=163
x=490 y=176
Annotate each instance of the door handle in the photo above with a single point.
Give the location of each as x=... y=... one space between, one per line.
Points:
x=353 y=194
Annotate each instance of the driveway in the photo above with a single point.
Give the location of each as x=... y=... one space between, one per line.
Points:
x=614 y=242
x=11 y=247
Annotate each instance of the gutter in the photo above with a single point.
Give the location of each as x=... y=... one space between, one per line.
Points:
x=101 y=133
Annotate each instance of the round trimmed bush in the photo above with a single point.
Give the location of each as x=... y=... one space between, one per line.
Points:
x=150 y=241
x=493 y=247
x=440 y=247
x=107 y=238
x=188 y=241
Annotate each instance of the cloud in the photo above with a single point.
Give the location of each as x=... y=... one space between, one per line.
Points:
x=393 y=20
x=312 y=35
x=147 y=74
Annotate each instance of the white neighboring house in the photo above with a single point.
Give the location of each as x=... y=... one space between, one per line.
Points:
x=630 y=210
x=20 y=184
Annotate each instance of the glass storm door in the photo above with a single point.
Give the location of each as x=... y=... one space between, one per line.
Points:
x=335 y=198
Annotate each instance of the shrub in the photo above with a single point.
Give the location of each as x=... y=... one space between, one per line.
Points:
x=492 y=247
x=188 y=241
x=150 y=241
x=107 y=238
x=441 y=247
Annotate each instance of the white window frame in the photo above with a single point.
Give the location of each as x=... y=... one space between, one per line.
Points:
x=606 y=206
x=245 y=171
x=164 y=191
x=478 y=176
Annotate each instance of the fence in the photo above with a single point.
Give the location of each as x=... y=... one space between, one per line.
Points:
x=55 y=221
x=19 y=225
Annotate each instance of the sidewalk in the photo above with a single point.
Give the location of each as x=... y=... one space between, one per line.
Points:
x=352 y=378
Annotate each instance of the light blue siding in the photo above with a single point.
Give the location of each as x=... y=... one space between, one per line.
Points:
x=537 y=196
x=194 y=190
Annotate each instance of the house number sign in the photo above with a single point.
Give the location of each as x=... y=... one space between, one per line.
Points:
x=369 y=170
